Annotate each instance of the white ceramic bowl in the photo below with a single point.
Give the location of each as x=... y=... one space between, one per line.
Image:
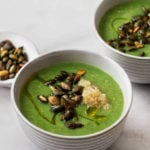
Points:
x=18 y=41
x=50 y=141
x=138 y=68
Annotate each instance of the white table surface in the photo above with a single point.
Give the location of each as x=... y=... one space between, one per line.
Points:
x=64 y=24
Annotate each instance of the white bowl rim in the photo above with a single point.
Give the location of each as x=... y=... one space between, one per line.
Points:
x=108 y=46
x=8 y=82
x=38 y=129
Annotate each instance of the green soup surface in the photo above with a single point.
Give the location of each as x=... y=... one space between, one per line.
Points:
x=119 y=15
x=40 y=114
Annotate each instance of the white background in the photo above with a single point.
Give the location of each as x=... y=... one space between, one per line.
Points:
x=64 y=24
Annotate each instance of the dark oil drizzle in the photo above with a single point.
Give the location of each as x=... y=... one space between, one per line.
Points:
x=37 y=109
x=40 y=79
x=113 y=23
x=90 y=119
x=53 y=120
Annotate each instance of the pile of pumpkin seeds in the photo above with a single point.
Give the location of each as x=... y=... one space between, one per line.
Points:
x=65 y=97
x=11 y=59
x=134 y=34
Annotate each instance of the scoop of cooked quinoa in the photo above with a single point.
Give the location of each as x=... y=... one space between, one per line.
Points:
x=92 y=96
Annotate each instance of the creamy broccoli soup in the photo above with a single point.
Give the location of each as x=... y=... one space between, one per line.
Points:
x=126 y=27
x=71 y=99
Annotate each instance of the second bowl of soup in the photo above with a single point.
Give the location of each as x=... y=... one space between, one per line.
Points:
x=123 y=27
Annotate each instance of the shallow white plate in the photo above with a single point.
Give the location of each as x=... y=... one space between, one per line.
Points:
x=18 y=41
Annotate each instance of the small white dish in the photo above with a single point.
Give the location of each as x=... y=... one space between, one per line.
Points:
x=18 y=41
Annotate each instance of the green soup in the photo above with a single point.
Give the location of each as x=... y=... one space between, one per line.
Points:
x=40 y=114
x=119 y=15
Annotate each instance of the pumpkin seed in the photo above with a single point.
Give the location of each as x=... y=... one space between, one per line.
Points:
x=25 y=61
x=50 y=82
x=146 y=11
x=138 y=45
x=77 y=89
x=8 y=45
x=56 y=90
x=147 y=34
x=4 y=73
x=71 y=77
x=5 y=59
x=77 y=98
x=21 y=65
x=1 y=65
x=57 y=108
x=74 y=125
x=141 y=32
x=20 y=59
x=138 y=23
x=13 y=69
x=81 y=72
x=122 y=35
x=11 y=75
x=136 y=29
x=142 y=54
x=148 y=22
x=65 y=85
x=4 y=53
x=8 y=64
x=136 y=18
x=69 y=114
x=11 y=51
x=64 y=73
x=42 y=98
x=59 y=77
x=143 y=41
x=18 y=51
x=53 y=100
x=13 y=57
